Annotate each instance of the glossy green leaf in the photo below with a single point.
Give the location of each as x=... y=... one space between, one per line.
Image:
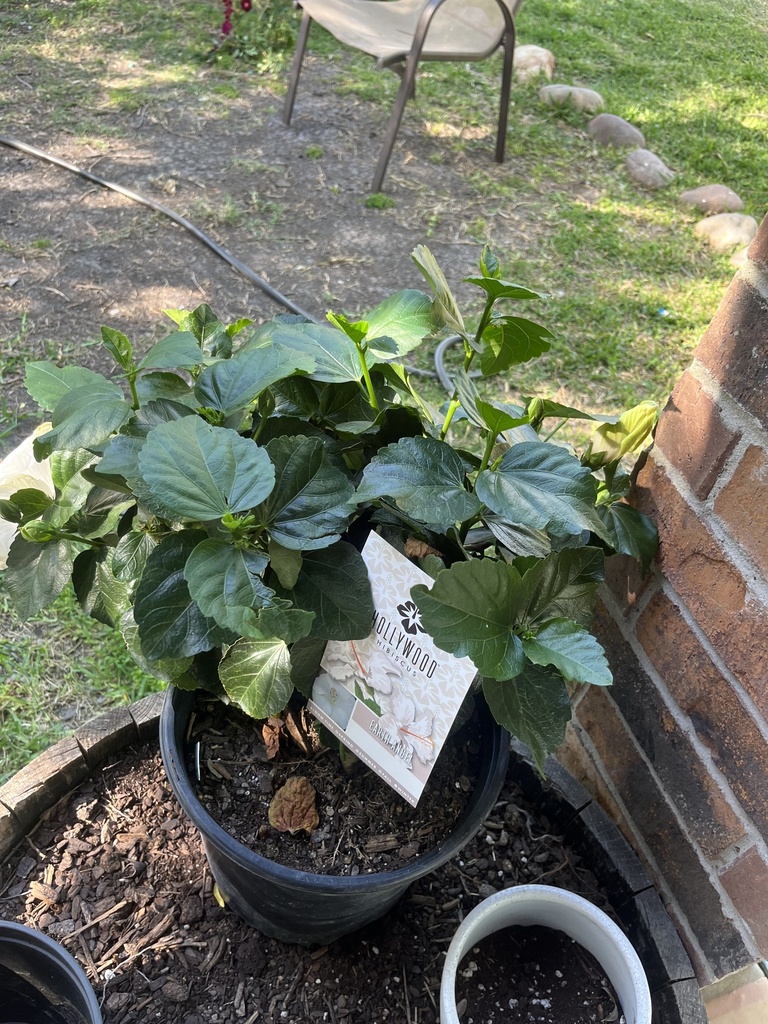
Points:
x=119 y=347
x=168 y=670
x=25 y=504
x=131 y=554
x=354 y=331
x=542 y=486
x=534 y=707
x=404 y=318
x=629 y=532
x=563 y=585
x=202 y=472
x=425 y=478
x=210 y=333
x=179 y=350
x=499 y=289
x=305 y=662
x=280 y=619
x=444 y=309
x=311 y=503
x=37 y=573
x=539 y=409
x=520 y=540
x=511 y=340
x=47 y=383
x=85 y=417
x=335 y=355
x=489 y=264
x=285 y=563
x=257 y=676
x=472 y=611
x=612 y=441
x=226 y=582
x=151 y=387
x=121 y=457
x=231 y=385
x=333 y=583
x=572 y=650
x=102 y=511
x=497 y=418
x=170 y=623
x=100 y=594
x=66 y=465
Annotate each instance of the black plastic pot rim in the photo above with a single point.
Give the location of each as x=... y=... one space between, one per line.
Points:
x=38 y=943
x=249 y=860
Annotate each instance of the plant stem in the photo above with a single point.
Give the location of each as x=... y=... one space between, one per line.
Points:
x=134 y=393
x=367 y=378
x=489 y=445
x=469 y=355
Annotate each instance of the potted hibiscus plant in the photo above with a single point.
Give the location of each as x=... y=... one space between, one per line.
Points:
x=213 y=496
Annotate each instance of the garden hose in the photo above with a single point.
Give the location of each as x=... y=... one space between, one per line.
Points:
x=233 y=261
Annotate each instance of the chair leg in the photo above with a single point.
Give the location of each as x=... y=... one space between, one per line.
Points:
x=506 y=89
x=298 y=57
x=407 y=86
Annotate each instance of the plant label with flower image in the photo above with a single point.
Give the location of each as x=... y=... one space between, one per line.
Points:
x=392 y=697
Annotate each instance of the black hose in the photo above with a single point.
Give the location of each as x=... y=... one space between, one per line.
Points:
x=233 y=261
x=242 y=268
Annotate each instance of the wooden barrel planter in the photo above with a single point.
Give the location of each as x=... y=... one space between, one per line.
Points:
x=585 y=828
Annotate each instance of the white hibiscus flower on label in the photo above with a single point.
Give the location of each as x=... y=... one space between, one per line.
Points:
x=19 y=471
x=410 y=725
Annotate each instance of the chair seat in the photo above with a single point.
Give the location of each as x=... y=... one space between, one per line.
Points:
x=385 y=28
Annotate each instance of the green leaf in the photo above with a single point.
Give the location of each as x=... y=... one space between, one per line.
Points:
x=347 y=409
x=167 y=670
x=121 y=457
x=335 y=355
x=305 y=662
x=612 y=441
x=511 y=340
x=85 y=417
x=119 y=347
x=25 y=504
x=472 y=611
x=285 y=563
x=179 y=350
x=354 y=331
x=37 y=574
x=281 y=619
x=66 y=465
x=151 y=387
x=444 y=310
x=572 y=650
x=425 y=478
x=238 y=326
x=102 y=511
x=47 y=383
x=231 y=385
x=404 y=318
x=203 y=472
x=311 y=503
x=496 y=418
x=333 y=583
x=170 y=623
x=489 y=264
x=534 y=707
x=542 y=486
x=226 y=583
x=257 y=676
x=539 y=409
x=131 y=555
x=100 y=594
x=520 y=540
x=629 y=532
x=563 y=585
x=208 y=330
x=498 y=289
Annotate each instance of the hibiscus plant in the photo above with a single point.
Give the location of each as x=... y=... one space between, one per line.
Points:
x=212 y=496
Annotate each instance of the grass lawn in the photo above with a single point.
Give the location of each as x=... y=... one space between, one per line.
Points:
x=630 y=288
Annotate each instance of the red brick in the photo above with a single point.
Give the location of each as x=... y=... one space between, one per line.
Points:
x=758 y=250
x=718 y=716
x=671 y=848
x=625 y=580
x=734 y=347
x=711 y=587
x=746 y=882
x=743 y=506
x=687 y=781
x=693 y=437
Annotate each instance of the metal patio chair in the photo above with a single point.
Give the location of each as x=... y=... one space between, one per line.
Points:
x=400 y=33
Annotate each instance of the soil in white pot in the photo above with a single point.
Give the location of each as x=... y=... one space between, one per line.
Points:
x=533 y=975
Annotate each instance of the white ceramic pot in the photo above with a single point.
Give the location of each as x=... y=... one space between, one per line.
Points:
x=552 y=908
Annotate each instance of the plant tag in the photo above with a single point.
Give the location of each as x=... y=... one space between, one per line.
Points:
x=392 y=697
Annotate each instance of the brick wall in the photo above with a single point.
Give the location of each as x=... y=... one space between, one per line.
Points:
x=677 y=750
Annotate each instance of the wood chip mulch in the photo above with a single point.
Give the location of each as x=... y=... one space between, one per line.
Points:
x=118 y=876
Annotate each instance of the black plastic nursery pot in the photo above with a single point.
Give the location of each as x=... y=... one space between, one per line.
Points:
x=298 y=906
x=40 y=983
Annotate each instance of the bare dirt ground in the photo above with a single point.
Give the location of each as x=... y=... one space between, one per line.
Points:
x=288 y=202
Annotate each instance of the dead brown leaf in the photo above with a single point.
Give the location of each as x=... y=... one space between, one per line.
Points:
x=293 y=807
x=415 y=548
x=270 y=733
